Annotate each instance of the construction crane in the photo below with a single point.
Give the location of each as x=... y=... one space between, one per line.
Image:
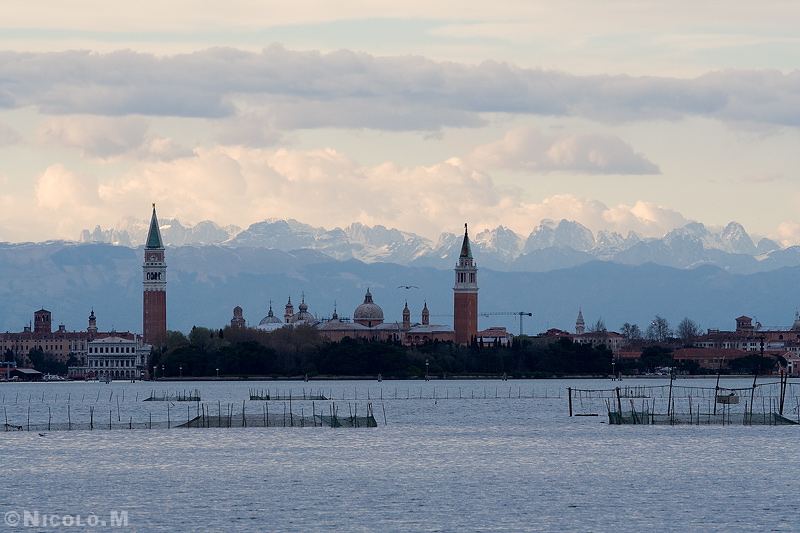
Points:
x=520 y=313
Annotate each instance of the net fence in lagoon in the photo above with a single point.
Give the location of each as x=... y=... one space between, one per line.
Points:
x=199 y=415
x=772 y=403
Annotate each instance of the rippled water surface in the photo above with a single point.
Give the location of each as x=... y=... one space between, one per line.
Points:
x=503 y=456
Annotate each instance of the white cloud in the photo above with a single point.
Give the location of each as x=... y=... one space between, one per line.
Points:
x=238 y=185
x=527 y=149
x=788 y=233
x=58 y=187
x=108 y=137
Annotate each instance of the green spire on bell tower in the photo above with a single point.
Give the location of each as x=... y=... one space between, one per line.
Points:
x=154 y=234
x=466 y=250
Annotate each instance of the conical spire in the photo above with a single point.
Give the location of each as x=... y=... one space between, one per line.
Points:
x=466 y=250
x=154 y=234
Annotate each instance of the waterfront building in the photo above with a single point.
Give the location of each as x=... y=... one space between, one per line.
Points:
x=154 y=293
x=57 y=345
x=610 y=339
x=74 y=347
x=116 y=357
x=465 y=294
x=754 y=337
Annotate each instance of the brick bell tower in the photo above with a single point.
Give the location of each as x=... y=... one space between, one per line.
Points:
x=154 y=310
x=465 y=297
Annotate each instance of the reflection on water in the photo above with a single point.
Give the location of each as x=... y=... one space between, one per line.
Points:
x=450 y=456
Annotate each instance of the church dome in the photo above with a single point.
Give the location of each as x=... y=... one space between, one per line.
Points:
x=270 y=318
x=369 y=313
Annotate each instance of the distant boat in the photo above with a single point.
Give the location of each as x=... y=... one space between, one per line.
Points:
x=52 y=377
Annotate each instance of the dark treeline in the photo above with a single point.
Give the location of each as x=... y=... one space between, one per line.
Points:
x=41 y=361
x=301 y=350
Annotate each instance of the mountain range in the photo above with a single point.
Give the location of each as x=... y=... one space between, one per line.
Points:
x=549 y=246
x=206 y=282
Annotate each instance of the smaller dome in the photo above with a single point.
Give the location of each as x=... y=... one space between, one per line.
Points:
x=237 y=311
x=270 y=318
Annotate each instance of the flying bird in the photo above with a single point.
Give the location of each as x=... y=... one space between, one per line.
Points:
x=407 y=287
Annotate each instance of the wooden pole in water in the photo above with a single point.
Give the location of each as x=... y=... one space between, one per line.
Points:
x=784 y=380
x=569 y=391
x=619 y=404
x=669 y=400
x=48 y=418
x=752 y=393
x=716 y=388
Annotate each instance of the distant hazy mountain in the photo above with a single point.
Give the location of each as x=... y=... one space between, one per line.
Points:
x=206 y=282
x=550 y=245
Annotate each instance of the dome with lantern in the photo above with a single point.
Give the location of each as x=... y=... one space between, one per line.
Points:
x=369 y=313
x=270 y=322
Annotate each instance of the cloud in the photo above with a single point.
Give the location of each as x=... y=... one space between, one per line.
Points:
x=527 y=149
x=8 y=135
x=240 y=185
x=309 y=89
x=108 y=137
x=788 y=233
x=251 y=129
x=58 y=187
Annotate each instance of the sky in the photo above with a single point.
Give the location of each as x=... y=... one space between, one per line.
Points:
x=625 y=116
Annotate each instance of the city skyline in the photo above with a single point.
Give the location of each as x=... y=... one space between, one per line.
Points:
x=418 y=117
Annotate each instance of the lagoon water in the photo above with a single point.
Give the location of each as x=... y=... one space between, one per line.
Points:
x=505 y=456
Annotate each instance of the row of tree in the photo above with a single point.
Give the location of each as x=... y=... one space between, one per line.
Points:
x=658 y=331
x=39 y=360
x=301 y=350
